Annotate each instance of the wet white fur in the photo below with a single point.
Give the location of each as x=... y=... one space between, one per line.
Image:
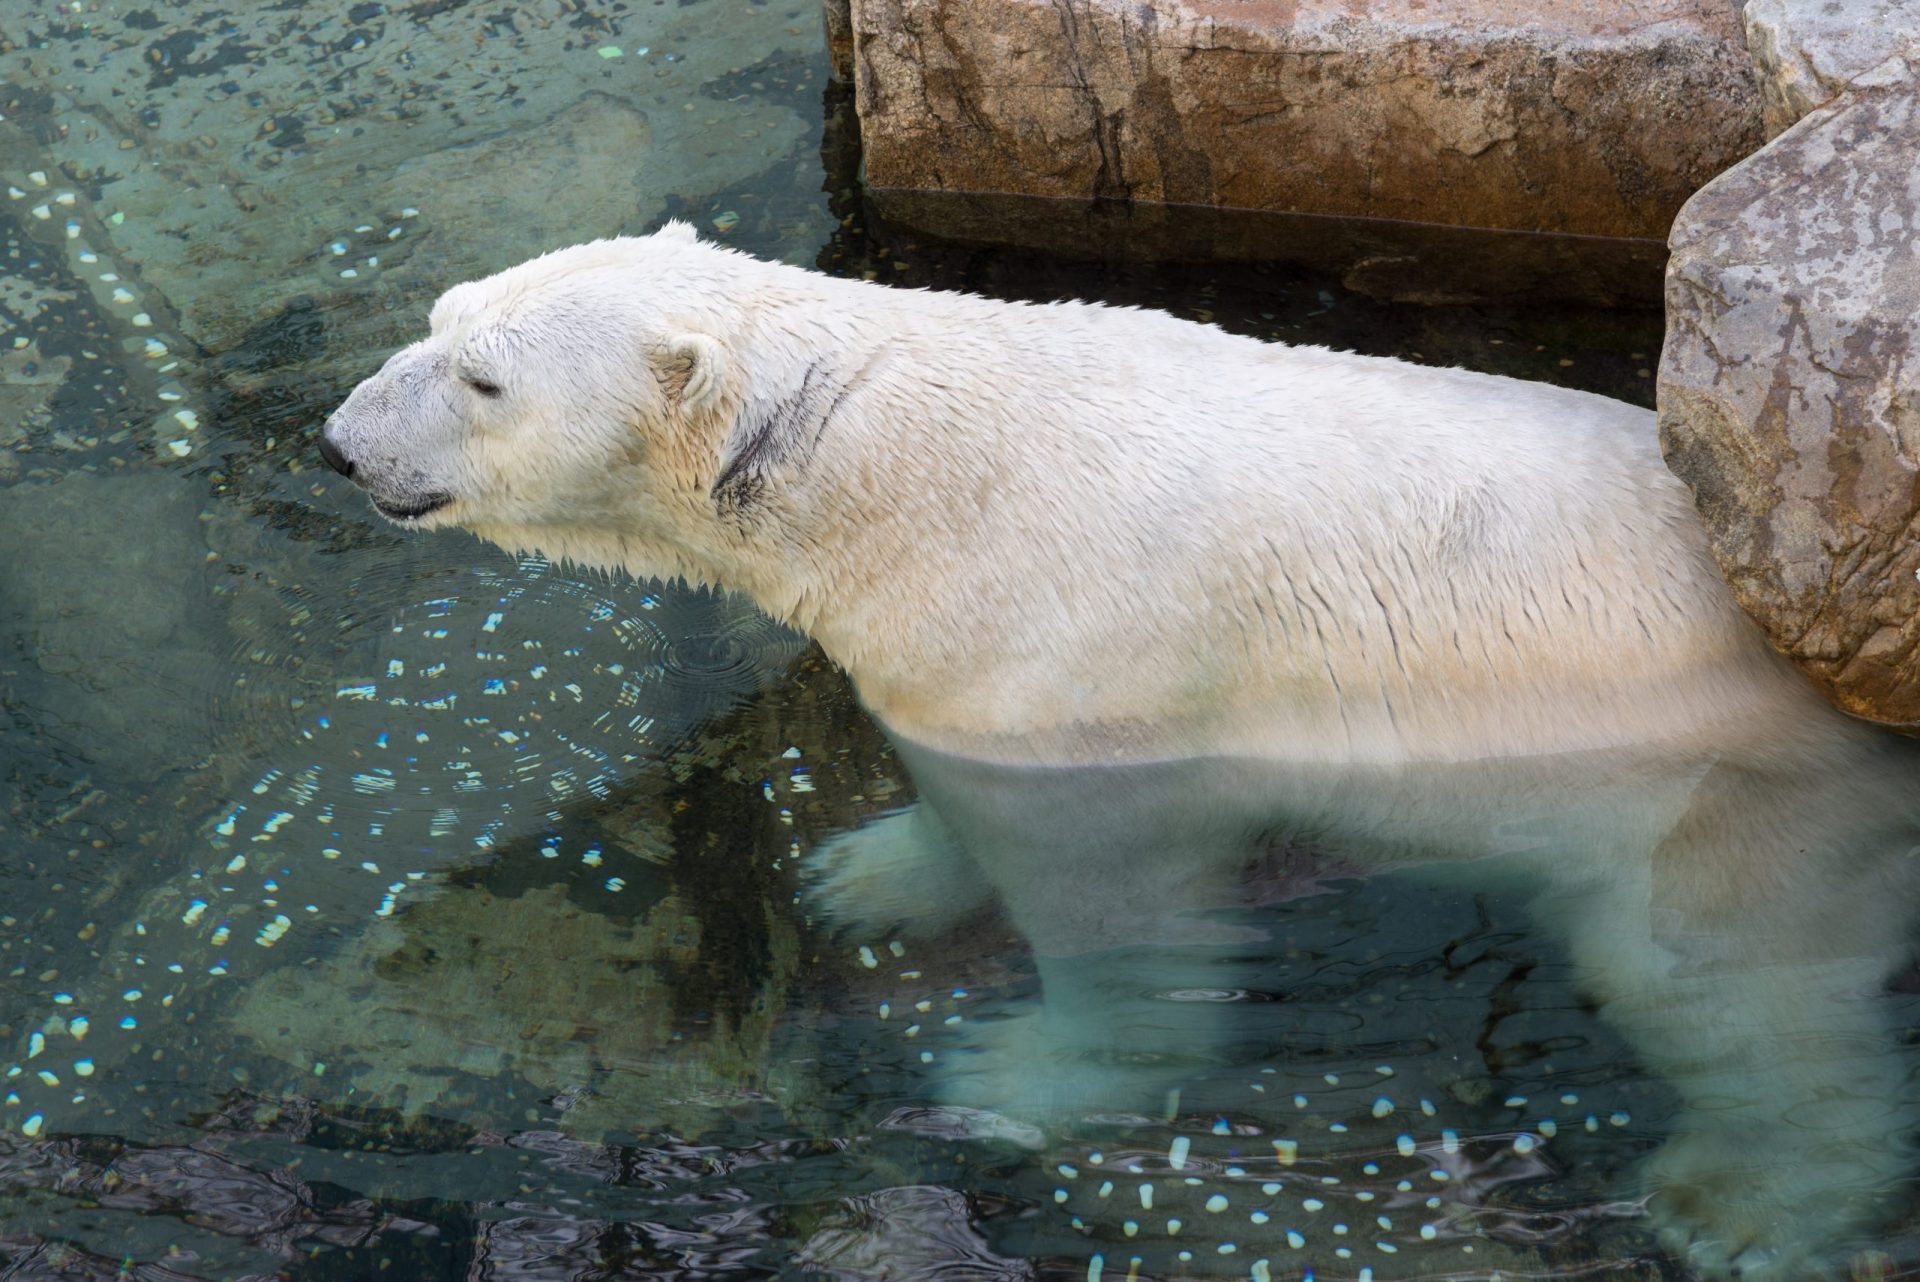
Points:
x=1090 y=532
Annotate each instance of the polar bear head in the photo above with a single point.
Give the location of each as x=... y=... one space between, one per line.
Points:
x=573 y=405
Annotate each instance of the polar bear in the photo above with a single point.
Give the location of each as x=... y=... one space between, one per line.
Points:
x=1133 y=595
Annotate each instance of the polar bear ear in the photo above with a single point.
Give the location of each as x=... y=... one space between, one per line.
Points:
x=674 y=229
x=696 y=367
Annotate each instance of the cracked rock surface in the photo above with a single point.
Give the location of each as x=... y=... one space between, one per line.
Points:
x=1805 y=51
x=1591 y=120
x=1789 y=389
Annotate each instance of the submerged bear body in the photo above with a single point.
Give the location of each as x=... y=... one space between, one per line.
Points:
x=1134 y=595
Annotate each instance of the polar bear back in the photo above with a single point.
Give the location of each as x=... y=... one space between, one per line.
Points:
x=1193 y=540
x=1070 y=532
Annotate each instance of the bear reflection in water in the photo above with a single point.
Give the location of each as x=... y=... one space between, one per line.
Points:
x=1764 y=1009
x=1138 y=598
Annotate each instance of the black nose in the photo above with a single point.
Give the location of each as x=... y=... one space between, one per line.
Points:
x=331 y=455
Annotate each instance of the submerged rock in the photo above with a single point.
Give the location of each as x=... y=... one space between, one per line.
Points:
x=106 y=658
x=915 y=1231
x=354 y=160
x=1790 y=395
x=424 y=1006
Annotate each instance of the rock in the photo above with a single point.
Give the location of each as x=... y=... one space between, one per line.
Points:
x=29 y=380
x=1789 y=389
x=1596 y=120
x=509 y=134
x=909 y=1231
x=1805 y=51
x=110 y=653
x=837 y=16
x=384 y=1018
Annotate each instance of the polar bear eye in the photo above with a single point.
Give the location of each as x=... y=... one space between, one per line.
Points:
x=482 y=386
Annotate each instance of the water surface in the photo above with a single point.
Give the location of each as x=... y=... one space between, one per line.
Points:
x=373 y=906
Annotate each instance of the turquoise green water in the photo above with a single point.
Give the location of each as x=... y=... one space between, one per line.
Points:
x=382 y=907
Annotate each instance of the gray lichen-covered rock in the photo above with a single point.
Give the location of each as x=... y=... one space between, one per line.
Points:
x=1587 y=119
x=1805 y=51
x=1789 y=389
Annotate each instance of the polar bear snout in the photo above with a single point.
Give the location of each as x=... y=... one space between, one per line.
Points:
x=397 y=435
x=330 y=455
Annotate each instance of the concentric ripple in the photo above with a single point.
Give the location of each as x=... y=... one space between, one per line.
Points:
x=493 y=690
x=733 y=656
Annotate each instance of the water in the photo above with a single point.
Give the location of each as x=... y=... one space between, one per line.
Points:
x=378 y=906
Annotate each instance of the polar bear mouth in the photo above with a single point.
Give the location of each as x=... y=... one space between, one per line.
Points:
x=413 y=509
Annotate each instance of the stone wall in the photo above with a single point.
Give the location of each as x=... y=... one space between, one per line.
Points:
x=1593 y=120
x=1578 y=121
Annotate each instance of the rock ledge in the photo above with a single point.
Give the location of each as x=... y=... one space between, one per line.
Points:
x=1594 y=120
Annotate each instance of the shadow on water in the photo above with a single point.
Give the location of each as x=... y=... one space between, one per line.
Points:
x=384 y=908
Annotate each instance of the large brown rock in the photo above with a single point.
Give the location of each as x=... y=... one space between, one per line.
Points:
x=1790 y=388
x=1584 y=119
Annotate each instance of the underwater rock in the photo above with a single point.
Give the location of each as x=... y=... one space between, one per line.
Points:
x=1789 y=397
x=107 y=653
x=218 y=1193
x=1805 y=51
x=1590 y=120
x=450 y=992
x=917 y=1231
x=228 y=1205
x=447 y=145
x=28 y=384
